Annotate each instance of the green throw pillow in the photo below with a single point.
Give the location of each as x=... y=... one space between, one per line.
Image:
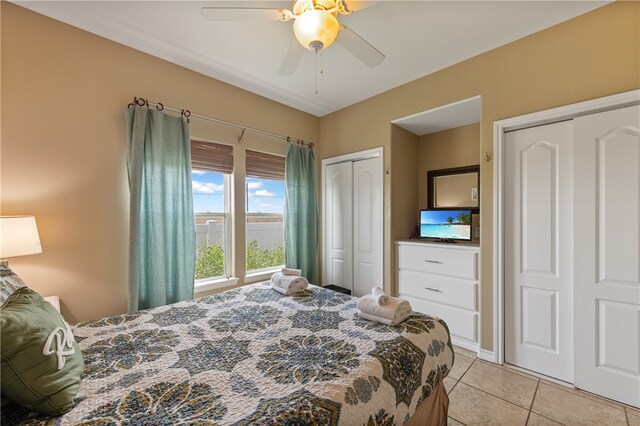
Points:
x=41 y=361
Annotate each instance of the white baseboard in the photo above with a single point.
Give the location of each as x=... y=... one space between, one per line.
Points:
x=466 y=344
x=483 y=354
x=486 y=355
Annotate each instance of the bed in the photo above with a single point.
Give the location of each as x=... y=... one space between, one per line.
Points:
x=250 y=356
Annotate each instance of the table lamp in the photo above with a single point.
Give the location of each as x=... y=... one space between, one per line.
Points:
x=18 y=237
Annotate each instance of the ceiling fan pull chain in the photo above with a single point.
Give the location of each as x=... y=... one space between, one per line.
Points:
x=316 y=73
x=321 y=64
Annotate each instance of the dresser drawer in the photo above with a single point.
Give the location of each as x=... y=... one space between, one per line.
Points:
x=435 y=260
x=438 y=288
x=462 y=323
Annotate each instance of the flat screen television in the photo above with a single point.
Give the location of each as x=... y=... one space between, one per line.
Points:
x=447 y=225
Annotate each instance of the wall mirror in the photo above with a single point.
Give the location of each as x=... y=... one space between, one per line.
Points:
x=454 y=188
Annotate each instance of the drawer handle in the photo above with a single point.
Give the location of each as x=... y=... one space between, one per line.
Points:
x=433 y=261
x=434 y=289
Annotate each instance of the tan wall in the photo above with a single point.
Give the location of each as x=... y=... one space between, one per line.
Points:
x=63 y=149
x=456 y=147
x=591 y=56
x=404 y=184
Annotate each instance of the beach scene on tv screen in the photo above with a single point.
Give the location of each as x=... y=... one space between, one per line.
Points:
x=454 y=224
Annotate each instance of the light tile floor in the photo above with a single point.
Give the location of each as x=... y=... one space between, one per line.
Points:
x=482 y=393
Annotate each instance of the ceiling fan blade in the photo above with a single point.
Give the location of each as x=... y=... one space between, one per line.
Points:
x=293 y=58
x=356 y=5
x=243 y=14
x=359 y=47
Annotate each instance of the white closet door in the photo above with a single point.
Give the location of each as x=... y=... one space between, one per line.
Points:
x=539 y=249
x=367 y=225
x=338 y=210
x=607 y=254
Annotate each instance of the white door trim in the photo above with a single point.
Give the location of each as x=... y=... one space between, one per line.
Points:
x=566 y=112
x=353 y=156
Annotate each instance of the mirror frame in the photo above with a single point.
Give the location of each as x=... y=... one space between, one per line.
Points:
x=432 y=174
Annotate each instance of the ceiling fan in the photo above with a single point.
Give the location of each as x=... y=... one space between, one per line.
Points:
x=315 y=28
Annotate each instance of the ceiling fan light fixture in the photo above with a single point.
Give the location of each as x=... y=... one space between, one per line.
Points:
x=316 y=29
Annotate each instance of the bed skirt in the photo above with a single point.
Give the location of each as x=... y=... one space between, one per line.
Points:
x=433 y=410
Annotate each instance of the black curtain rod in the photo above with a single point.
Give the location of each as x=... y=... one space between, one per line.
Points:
x=186 y=113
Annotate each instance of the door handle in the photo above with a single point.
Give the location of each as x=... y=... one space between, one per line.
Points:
x=434 y=289
x=433 y=261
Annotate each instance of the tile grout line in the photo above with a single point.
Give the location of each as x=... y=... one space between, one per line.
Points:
x=510 y=370
x=518 y=372
x=464 y=424
x=509 y=402
x=495 y=396
x=610 y=403
x=467 y=369
x=634 y=411
x=548 y=418
x=458 y=381
x=622 y=408
x=626 y=415
x=454 y=385
x=532 y=400
x=581 y=394
x=572 y=390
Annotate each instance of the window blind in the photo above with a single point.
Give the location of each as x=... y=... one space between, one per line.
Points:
x=211 y=157
x=264 y=166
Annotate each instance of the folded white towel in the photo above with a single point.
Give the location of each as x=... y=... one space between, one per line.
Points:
x=284 y=290
x=286 y=281
x=290 y=283
x=380 y=296
x=394 y=310
x=293 y=272
x=383 y=320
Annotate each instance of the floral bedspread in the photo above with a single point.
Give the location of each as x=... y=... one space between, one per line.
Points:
x=251 y=356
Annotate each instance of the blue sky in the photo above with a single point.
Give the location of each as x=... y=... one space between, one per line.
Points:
x=265 y=196
x=439 y=216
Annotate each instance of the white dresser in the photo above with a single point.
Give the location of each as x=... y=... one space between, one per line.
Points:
x=441 y=280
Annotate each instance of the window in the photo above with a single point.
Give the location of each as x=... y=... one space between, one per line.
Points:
x=264 y=190
x=211 y=167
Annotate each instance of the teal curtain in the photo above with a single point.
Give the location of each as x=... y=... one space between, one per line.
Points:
x=162 y=241
x=301 y=211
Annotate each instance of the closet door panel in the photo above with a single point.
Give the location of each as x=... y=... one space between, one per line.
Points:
x=539 y=249
x=607 y=255
x=338 y=219
x=367 y=225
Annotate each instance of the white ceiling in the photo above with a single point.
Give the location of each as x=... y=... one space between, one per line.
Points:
x=417 y=37
x=457 y=114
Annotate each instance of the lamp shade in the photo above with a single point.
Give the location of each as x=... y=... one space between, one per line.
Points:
x=316 y=26
x=19 y=236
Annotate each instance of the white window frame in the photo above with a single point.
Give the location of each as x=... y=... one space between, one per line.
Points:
x=257 y=275
x=225 y=280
